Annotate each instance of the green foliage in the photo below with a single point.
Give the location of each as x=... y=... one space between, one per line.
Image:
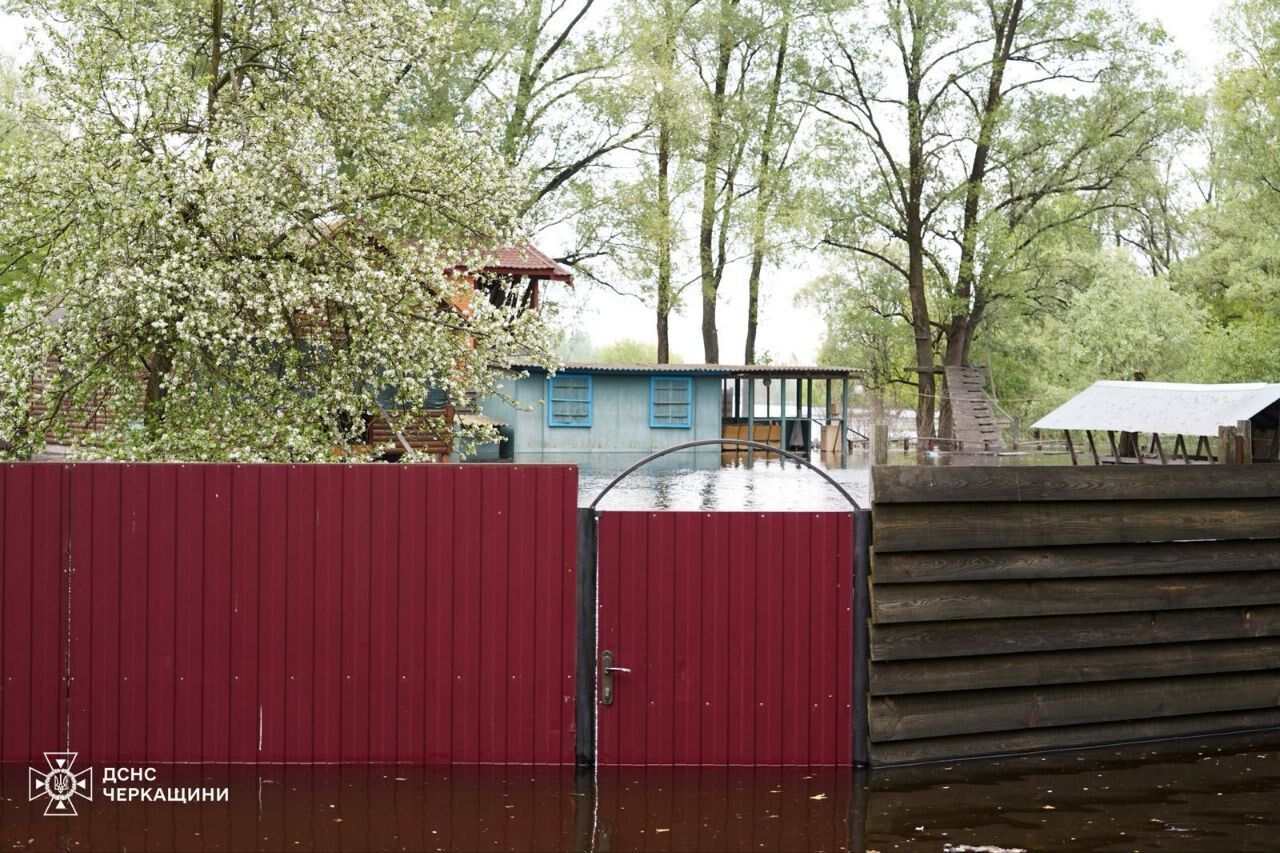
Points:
x=241 y=234
x=1118 y=322
x=864 y=316
x=578 y=347
x=631 y=351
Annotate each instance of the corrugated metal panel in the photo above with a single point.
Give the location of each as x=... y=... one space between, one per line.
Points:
x=1165 y=407
x=290 y=613
x=737 y=628
x=33 y=631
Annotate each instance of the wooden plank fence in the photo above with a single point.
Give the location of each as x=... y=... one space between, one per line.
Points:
x=1030 y=608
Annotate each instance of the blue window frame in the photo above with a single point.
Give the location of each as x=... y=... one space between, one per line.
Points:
x=569 y=400
x=670 y=402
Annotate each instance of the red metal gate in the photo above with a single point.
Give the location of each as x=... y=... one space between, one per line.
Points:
x=732 y=635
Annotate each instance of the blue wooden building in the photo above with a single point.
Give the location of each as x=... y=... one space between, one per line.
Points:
x=642 y=408
x=588 y=408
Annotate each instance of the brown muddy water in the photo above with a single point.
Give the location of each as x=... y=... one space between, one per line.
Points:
x=1198 y=795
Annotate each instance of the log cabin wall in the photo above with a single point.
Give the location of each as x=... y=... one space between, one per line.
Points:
x=1024 y=609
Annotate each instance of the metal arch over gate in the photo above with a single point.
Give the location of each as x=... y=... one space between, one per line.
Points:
x=756 y=445
x=722 y=638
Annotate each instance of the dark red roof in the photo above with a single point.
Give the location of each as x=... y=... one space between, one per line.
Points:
x=526 y=260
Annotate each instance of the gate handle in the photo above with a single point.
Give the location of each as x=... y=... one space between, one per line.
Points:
x=607 y=669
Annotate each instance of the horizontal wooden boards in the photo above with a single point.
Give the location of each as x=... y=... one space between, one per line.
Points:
x=936 y=484
x=888 y=753
x=933 y=527
x=939 y=602
x=1020 y=609
x=1074 y=666
x=1079 y=561
x=1002 y=636
x=944 y=714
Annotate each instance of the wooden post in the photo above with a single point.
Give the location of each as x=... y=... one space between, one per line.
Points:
x=1244 y=441
x=880 y=444
x=1093 y=447
x=1115 y=451
x=808 y=417
x=1137 y=449
x=861 y=636
x=1226 y=445
x=844 y=422
x=782 y=411
x=1155 y=442
x=1071 y=448
x=751 y=419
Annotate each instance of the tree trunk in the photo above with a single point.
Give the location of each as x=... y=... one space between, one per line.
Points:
x=764 y=194
x=664 y=239
x=524 y=86
x=959 y=331
x=926 y=395
x=159 y=366
x=710 y=189
x=664 y=108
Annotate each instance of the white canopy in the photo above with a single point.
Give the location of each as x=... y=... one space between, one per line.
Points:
x=1164 y=407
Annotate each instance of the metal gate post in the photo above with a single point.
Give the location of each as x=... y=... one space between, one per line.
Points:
x=584 y=744
x=861 y=635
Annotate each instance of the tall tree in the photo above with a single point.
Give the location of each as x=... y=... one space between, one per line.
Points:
x=241 y=241
x=1237 y=267
x=775 y=144
x=976 y=119
x=716 y=157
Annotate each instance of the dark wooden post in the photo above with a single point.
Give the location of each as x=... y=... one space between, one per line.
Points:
x=584 y=742
x=751 y=420
x=1227 y=445
x=861 y=636
x=1244 y=441
x=782 y=414
x=808 y=399
x=880 y=444
x=844 y=421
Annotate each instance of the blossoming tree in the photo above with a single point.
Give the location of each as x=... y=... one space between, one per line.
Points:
x=236 y=244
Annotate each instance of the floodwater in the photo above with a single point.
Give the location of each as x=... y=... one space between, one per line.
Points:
x=1194 y=795
x=706 y=479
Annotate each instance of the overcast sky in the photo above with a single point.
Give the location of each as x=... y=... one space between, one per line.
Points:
x=787 y=333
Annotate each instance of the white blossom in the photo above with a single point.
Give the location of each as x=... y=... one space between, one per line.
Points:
x=256 y=233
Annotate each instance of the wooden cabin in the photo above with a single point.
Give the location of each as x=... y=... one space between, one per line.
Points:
x=641 y=408
x=1161 y=423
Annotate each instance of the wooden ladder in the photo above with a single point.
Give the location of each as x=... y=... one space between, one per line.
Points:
x=972 y=411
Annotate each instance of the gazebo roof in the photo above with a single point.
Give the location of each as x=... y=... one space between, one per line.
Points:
x=1171 y=408
x=527 y=260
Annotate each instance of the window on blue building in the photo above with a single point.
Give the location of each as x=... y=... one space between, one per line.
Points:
x=569 y=401
x=671 y=402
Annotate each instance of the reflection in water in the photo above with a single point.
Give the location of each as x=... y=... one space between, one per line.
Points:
x=1193 y=795
x=703 y=479
x=715 y=481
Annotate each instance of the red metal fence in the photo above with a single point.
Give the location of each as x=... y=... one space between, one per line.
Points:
x=288 y=613
x=737 y=629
